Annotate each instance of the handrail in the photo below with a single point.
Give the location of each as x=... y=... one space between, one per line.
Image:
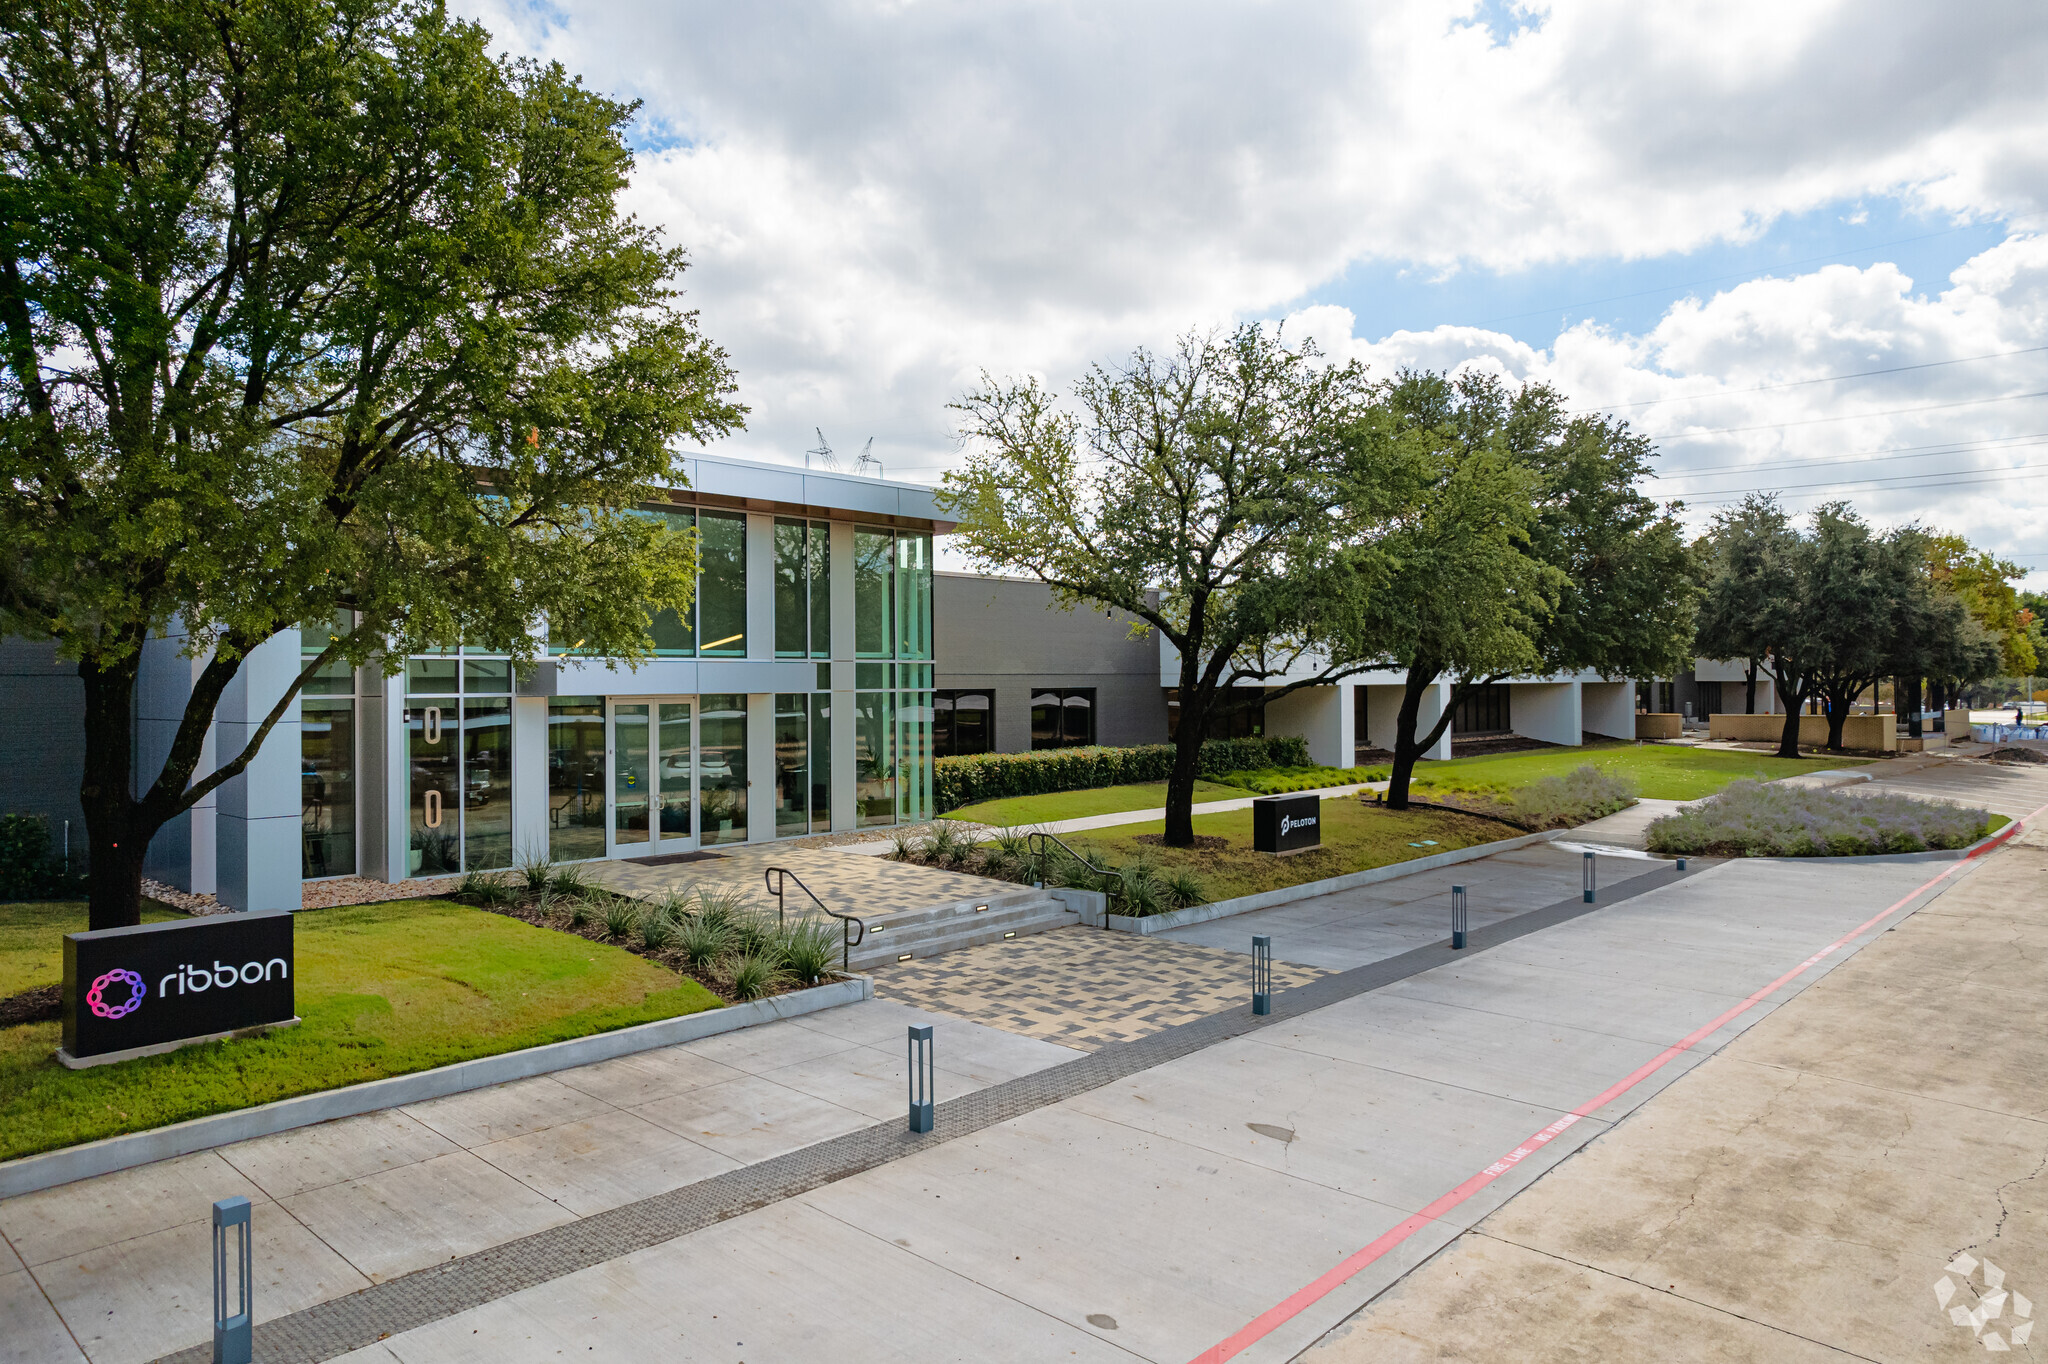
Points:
x=1039 y=838
x=774 y=877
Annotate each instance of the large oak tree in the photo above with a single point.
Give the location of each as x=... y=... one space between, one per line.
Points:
x=313 y=307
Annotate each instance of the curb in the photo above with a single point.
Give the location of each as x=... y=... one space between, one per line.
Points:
x=1245 y=904
x=51 y=1168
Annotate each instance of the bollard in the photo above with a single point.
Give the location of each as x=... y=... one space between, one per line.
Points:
x=1589 y=878
x=1262 y=974
x=1458 y=918
x=921 y=1076
x=1681 y=864
x=233 y=1337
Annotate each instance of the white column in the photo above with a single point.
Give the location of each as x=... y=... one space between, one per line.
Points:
x=1608 y=708
x=760 y=766
x=844 y=817
x=1316 y=714
x=397 y=782
x=841 y=548
x=1548 y=711
x=1347 y=725
x=260 y=830
x=529 y=778
x=760 y=585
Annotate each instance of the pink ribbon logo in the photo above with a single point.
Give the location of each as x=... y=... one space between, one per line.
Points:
x=95 y=998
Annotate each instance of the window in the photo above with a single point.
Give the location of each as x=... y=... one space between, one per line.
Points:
x=874 y=592
x=1482 y=709
x=575 y=777
x=874 y=756
x=803 y=589
x=722 y=584
x=327 y=758
x=1235 y=713
x=913 y=595
x=821 y=763
x=722 y=770
x=458 y=721
x=792 y=764
x=1063 y=717
x=914 y=757
x=963 y=722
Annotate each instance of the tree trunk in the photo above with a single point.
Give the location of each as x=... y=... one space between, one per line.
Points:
x=1837 y=710
x=1749 y=690
x=115 y=838
x=1180 y=784
x=1407 y=747
x=1788 y=738
x=1906 y=702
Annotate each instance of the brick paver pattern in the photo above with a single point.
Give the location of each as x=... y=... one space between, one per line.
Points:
x=1082 y=987
x=851 y=884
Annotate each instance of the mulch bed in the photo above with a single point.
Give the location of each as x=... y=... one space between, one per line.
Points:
x=1203 y=842
x=2011 y=756
x=44 y=1004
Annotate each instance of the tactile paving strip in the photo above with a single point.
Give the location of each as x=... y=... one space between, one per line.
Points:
x=413 y=1300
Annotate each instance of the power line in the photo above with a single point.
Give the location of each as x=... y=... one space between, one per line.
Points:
x=1848 y=416
x=1991 y=445
x=1727 y=497
x=1877 y=483
x=1801 y=383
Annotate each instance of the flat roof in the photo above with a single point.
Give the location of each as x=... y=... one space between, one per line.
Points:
x=721 y=480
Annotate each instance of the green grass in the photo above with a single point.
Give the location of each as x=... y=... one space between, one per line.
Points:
x=1661 y=771
x=383 y=990
x=32 y=952
x=1103 y=800
x=1356 y=836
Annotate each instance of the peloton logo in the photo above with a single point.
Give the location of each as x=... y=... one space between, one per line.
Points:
x=1977 y=1305
x=120 y=993
x=1288 y=824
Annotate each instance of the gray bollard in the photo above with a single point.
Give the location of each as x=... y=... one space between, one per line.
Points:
x=1589 y=878
x=1459 y=920
x=1262 y=974
x=233 y=1336
x=921 y=1076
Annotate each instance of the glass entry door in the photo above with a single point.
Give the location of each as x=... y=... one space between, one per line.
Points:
x=651 y=750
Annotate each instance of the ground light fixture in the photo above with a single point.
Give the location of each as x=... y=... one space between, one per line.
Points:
x=1459 y=920
x=1590 y=887
x=233 y=1336
x=921 y=1077
x=1262 y=974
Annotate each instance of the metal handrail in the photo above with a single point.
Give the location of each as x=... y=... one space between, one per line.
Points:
x=1038 y=838
x=774 y=877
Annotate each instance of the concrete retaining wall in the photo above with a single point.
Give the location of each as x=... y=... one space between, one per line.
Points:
x=1656 y=726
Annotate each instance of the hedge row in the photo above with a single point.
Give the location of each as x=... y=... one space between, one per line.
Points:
x=30 y=868
x=988 y=776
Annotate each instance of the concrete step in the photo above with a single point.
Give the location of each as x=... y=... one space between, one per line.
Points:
x=928 y=935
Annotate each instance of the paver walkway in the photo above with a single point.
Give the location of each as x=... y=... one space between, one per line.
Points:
x=1081 y=987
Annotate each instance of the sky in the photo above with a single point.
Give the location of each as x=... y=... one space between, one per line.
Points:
x=1803 y=247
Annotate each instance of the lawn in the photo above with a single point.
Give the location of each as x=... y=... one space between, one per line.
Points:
x=383 y=989
x=1661 y=771
x=1104 y=800
x=1356 y=836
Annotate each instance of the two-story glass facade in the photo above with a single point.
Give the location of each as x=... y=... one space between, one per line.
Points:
x=794 y=697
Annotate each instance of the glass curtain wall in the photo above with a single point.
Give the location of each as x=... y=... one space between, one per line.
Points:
x=913 y=595
x=803 y=589
x=672 y=763
x=792 y=764
x=327 y=760
x=913 y=756
x=874 y=592
x=821 y=763
x=874 y=756
x=575 y=778
x=458 y=722
x=715 y=626
x=722 y=775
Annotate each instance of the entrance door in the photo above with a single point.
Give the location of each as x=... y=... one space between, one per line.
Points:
x=652 y=754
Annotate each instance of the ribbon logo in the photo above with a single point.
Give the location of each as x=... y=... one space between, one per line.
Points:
x=96 y=997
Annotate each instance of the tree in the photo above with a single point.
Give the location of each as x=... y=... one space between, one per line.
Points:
x=1531 y=551
x=1747 y=574
x=1985 y=585
x=1230 y=495
x=315 y=307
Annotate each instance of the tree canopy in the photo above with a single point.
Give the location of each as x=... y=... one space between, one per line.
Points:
x=1231 y=495
x=317 y=307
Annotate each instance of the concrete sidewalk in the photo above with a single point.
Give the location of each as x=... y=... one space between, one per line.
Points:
x=1802 y=1192
x=1163 y=1213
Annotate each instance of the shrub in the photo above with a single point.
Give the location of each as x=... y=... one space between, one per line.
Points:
x=620 y=914
x=1142 y=894
x=988 y=776
x=657 y=929
x=579 y=911
x=721 y=903
x=1278 y=781
x=810 y=948
x=1184 y=888
x=754 y=975
x=1586 y=792
x=752 y=933
x=483 y=888
x=30 y=868
x=1759 y=819
x=572 y=880
x=702 y=941
x=536 y=872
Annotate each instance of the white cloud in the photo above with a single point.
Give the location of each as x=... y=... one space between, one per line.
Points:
x=883 y=199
